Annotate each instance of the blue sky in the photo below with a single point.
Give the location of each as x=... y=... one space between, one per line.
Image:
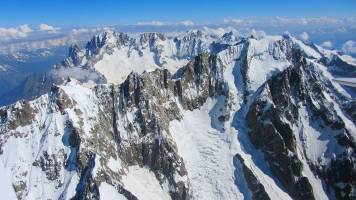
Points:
x=110 y=12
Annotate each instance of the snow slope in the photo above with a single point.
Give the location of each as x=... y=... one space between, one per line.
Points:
x=207 y=153
x=6 y=189
x=143 y=184
x=105 y=137
x=108 y=192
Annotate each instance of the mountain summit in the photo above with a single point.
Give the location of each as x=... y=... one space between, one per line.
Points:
x=193 y=116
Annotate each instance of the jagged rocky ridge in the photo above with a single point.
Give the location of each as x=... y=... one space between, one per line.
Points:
x=111 y=49
x=84 y=142
x=275 y=117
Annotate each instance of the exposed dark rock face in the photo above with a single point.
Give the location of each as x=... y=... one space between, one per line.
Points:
x=24 y=114
x=350 y=109
x=80 y=61
x=273 y=113
x=20 y=189
x=257 y=189
x=75 y=55
x=200 y=79
x=275 y=137
x=147 y=93
x=97 y=42
x=190 y=45
x=338 y=66
x=61 y=99
x=153 y=98
x=150 y=39
x=154 y=95
x=87 y=187
x=276 y=148
x=131 y=120
x=243 y=62
x=342 y=175
x=114 y=114
x=50 y=164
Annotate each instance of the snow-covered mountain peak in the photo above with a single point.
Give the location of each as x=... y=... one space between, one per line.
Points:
x=115 y=55
x=194 y=116
x=111 y=56
x=108 y=39
x=229 y=37
x=75 y=54
x=151 y=38
x=112 y=53
x=194 y=33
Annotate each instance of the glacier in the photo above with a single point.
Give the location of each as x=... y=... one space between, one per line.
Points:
x=190 y=116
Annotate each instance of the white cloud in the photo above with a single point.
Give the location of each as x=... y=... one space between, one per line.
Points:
x=86 y=31
x=233 y=21
x=160 y=23
x=108 y=28
x=14 y=33
x=349 y=47
x=304 y=36
x=187 y=23
x=76 y=73
x=151 y=23
x=322 y=20
x=48 y=28
x=282 y=21
x=220 y=31
x=80 y=30
x=39 y=44
x=327 y=44
x=25 y=29
x=13 y=40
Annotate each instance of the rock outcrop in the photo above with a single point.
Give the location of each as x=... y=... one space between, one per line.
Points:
x=272 y=114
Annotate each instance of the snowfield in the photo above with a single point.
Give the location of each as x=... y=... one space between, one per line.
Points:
x=72 y=140
x=207 y=154
x=143 y=184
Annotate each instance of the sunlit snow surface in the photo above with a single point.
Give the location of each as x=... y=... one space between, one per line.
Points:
x=108 y=192
x=346 y=81
x=143 y=184
x=6 y=190
x=207 y=155
x=117 y=66
x=206 y=145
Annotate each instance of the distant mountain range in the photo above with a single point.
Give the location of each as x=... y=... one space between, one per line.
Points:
x=193 y=115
